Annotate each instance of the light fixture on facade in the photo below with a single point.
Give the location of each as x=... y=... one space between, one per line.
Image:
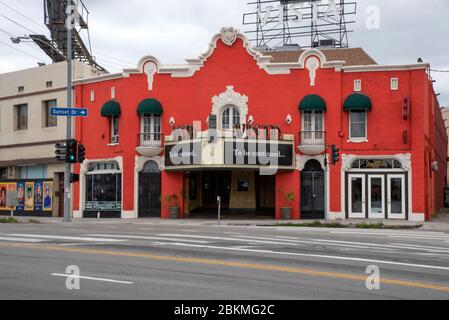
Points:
x=289 y=119
x=250 y=120
x=172 y=122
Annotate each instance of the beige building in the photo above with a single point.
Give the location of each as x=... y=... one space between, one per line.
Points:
x=28 y=132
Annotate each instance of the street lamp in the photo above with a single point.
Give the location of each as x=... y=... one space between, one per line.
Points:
x=68 y=168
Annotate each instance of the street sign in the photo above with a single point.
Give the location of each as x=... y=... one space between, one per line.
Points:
x=69 y=112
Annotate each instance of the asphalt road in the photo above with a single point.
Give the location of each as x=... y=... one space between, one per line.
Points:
x=190 y=262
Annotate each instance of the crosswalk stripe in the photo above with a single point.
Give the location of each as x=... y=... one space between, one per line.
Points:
x=52 y=237
x=235 y=239
x=15 y=239
x=145 y=238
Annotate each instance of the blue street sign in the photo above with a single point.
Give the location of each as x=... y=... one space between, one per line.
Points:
x=69 y=112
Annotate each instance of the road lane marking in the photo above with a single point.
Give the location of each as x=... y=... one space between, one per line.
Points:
x=223 y=263
x=15 y=239
x=90 y=278
x=146 y=238
x=239 y=239
x=421 y=266
x=66 y=238
x=311 y=241
x=419 y=235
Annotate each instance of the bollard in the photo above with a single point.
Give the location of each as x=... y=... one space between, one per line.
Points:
x=219 y=209
x=98 y=215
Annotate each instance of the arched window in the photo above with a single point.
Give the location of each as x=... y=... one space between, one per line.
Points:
x=230 y=118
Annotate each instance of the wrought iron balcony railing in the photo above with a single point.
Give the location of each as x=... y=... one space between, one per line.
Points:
x=312 y=138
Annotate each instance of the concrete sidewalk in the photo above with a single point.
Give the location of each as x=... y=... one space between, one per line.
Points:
x=439 y=223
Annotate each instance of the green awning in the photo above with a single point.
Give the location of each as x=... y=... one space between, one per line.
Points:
x=150 y=106
x=312 y=102
x=111 y=109
x=357 y=102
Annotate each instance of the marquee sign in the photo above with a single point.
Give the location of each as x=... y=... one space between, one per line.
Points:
x=229 y=153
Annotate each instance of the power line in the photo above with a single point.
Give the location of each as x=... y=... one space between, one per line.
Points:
x=20 y=25
x=112 y=62
x=116 y=59
x=14 y=48
x=439 y=70
x=18 y=12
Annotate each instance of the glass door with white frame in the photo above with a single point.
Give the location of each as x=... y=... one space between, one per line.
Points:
x=357 y=196
x=313 y=127
x=376 y=197
x=396 y=197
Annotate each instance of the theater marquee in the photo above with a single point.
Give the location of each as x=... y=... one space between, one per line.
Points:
x=230 y=154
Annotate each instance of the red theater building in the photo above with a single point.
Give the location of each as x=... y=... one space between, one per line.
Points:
x=254 y=128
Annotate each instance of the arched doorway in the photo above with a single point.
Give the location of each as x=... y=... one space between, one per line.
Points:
x=312 y=191
x=150 y=191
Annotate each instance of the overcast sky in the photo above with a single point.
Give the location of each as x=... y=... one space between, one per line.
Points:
x=122 y=32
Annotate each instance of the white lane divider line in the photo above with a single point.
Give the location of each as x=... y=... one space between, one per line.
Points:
x=130 y=237
x=15 y=239
x=51 y=237
x=90 y=278
x=325 y=257
x=235 y=239
x=313 y=242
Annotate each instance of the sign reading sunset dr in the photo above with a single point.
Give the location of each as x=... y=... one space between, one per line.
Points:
x=69 y=112
x=230 y=154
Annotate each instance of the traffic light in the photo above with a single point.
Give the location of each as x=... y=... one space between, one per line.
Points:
x=81 y=153
x=72 y=148
x=74 y=178
x=61 y=152
x=335 y=154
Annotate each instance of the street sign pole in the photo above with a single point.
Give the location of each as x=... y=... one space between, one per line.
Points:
x=68 y=166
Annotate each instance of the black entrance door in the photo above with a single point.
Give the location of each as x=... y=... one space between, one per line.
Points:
x=150 y=191
x=216 y=183
x=312 y=191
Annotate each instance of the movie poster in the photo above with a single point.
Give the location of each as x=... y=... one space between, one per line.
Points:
x=38 y=196
x=12 y=186
x=21 y=196
x=3 y=192
x=29 y=196
x=48 y=196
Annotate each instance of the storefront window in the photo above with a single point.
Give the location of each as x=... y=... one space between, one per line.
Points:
x=104 y=188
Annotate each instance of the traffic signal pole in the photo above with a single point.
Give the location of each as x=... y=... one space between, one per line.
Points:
x=68 y=166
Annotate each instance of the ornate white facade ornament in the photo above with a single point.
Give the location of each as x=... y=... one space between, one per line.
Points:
x=301 y=161
x=230 y=98
x=406 y=160
x=141 y=161
x=229 y=36
x=346 y=161
x=312 y=64
x=150 y=70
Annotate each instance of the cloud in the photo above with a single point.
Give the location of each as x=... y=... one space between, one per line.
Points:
x=174 y=30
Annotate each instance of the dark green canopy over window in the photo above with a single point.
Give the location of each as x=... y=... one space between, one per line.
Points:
x=312 y=102
x=357 y=102
x=111 y=109
x=150 y=106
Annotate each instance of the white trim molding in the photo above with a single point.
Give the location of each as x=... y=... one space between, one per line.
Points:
x=230 y=98
x=406 y=161
x=302 y=160
x=84 y=170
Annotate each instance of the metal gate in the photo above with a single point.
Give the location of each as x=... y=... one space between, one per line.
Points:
x=312 y=191
x=150 y=191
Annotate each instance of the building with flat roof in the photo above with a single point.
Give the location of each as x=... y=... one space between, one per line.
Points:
x=28 y=134
x=254 y=129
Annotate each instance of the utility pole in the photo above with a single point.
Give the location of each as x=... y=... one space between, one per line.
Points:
x=68 y=166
